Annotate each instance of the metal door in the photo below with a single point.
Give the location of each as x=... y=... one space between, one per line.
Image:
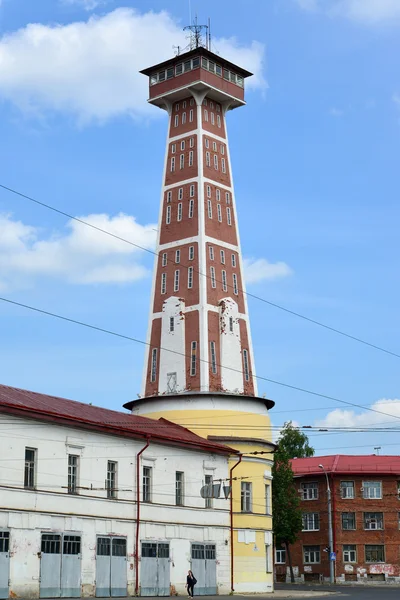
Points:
x=111 y=575
x=71 y=567
x=199 y=568
x=211 y=570
x=155 y=569
x=50 y=566
x=4 y=563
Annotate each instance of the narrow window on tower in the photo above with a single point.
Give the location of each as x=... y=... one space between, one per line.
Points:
x=183 y=118
x=227 y=197
x=216 y=162
x=219 y=212
x=209 y=205
x=211 y=67
x=190 y=277
x=218 y=121
x=206 y=115
x=176 y=122
x=182 y=161
x=235 y=287
x=246 y=365
x=211 y=252
x=222 y=253
x=222 y=149
x=213 y=282
x=171 y=324
x=223 y=165
x=214 y=146
x=191 y=191
x=208 y=159
x=191 y=142
x=176 y=281
x=191 y=115
x=177 y=106
x=191 y=208
x=205 y=99
x=173 y=148
x=191 y=252
x=153 y=365
x=168 y=215
x=169 y=196
x=224 y=286
x=191 y=158
x=172 y=164
x=191 y=102
x=208 y=191
x=233 y=260
x=163 y=283
x=177 y=257
x=231 y=324
x=180 y=211
x=228 y=215
x=184 y=104
x=164 y=259
x=206 y=143
x=182 y=144
x=193 y=359
x=212 y=119
x=213 y=357
x=180 y=193
x=218 y=195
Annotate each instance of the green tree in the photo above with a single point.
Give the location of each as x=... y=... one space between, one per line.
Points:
x=287 y=516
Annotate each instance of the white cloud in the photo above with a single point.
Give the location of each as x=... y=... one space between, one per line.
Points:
x=256 y=270
x=364 y=11
x=78 y=255
x=90 y=69
x=349 y=418
x=86 y=4
x=396 y=100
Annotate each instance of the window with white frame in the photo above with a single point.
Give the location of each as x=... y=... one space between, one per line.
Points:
x=311 y=555
x=112 y=468
x=173 y=148
x=191 y=208
x=206 y=142
x=212 y=119
x=246 y=496
x=227 y=197
x=268 y=502
x=228 y=215
x=348 y=520
x=176 y=120
x=222 y=149
x=163 y=283
x=246 y=365
x=191 y=115
x=233 y=260
x=191 y=101
x=208 y=159
x=224 y=284
x=219 y=213
x=349 y=553
x=309 y=491
x=179 y=214
x=190 y=277
x=182 y=145
x=211 y=252
x=374 y=553
x=164 y=259
x=222 y=254
x=183 y=118
x=209 y=209
x=214 y=146
x=373 y=520
x=191 y=252
x=177 y=107
x=280 y=556
x=169 y=196
x=191 y=158
x=191 y=191
x=172 y=164
x=73 y=472
x=176 y=281
x=146 y=484
x=208 y=188
x=193 y=359
x=177 y=256
x=179 y=488
x=212 y=275
x=372 y=489
x=211 y=69
x=218 y=121
x=235 y=284
x=218 y=195
x=168 y=215
x=206 y=115
x=182 y=161
x=347 y=489
x=191 y=142
x=180 y=194
x=213 y=357
x=153 y=373
x=223 y=165
x=216 y=162
x=310 y=521
x=171 y=324
x=205 y=99
x=30 y=468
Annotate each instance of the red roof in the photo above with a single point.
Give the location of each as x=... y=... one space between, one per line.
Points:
x=345 y=464
x=23 y=403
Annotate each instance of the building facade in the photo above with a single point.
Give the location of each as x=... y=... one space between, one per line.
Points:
x=365 y=518
x=101 y=503
x=199 y=367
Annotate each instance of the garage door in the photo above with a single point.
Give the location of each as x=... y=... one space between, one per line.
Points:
x=60 y=566
x=204 y=567
x=155 y=569
x=111 y=575
x=4 y=563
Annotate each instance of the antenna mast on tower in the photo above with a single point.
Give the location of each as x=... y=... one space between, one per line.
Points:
x=196 y=35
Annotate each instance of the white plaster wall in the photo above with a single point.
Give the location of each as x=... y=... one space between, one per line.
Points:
x=172 y=353
x=231 y=355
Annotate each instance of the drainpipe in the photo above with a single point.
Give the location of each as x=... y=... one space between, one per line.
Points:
x=231 y=515
x=333 y=519
x=138 y=514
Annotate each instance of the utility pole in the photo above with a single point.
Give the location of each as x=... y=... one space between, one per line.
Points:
x=330 y=531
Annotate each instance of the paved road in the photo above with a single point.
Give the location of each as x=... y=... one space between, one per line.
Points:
x=371 y=592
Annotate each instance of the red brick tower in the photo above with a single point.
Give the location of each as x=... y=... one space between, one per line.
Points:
x=198 y=308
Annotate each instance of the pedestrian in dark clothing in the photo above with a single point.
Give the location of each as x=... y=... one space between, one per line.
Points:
x=190 y=583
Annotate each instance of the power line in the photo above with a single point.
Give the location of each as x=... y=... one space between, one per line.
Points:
x=248 y=294
x=132 y=339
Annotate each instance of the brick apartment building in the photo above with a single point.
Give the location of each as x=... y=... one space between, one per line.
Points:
x=365 y=519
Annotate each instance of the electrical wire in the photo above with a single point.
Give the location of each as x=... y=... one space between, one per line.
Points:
x=248 y=294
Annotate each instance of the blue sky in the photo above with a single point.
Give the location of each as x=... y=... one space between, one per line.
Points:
x=316 y=165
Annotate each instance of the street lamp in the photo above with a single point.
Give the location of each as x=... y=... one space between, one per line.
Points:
x=331 y=549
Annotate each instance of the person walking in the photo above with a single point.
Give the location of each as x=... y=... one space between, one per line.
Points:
x=190 y=583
